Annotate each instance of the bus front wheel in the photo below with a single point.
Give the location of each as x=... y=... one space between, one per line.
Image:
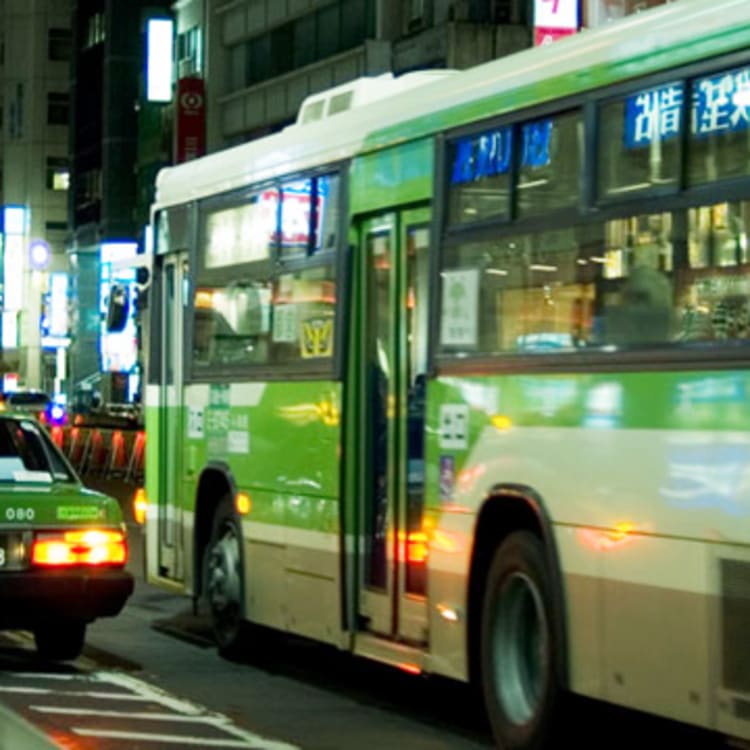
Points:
x=224 y=581
x=519 y=645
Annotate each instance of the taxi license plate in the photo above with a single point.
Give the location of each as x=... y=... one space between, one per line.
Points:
x=15 y=547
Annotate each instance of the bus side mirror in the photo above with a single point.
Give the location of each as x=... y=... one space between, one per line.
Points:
x=118 y=308
x=142 y=277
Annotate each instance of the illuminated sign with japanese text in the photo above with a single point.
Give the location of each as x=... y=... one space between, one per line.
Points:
x=488 y=154
x=720 y=104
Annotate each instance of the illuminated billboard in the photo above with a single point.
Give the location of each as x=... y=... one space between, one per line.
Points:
x=118 y=350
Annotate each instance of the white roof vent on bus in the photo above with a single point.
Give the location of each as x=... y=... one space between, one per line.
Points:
x=362 y=91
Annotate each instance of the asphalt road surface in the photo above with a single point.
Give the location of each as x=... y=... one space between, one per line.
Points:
x=150 y=678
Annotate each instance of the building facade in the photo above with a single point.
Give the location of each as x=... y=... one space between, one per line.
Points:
x=261 y=58
x=34 y=164
x=106 y=93
x=80 y=145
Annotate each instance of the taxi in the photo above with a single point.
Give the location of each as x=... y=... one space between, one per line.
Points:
x=63 y=547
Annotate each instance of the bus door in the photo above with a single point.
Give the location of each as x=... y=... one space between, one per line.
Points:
x=394 y=352
x=173 y=271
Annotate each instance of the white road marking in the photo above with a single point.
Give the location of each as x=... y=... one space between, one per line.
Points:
x=74 y=693
x=149 y=692
x=207 y=719
x=185 y=707
x=48 y=676
x=178 y=739
x=136 y=690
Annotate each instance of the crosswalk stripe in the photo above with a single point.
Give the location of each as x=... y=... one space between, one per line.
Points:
x=24 y=690
x=179 y=739
x=207 y=719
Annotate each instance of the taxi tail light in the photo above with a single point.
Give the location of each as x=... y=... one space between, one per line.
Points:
x=85 y=547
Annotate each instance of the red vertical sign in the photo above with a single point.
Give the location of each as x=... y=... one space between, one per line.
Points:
x=554 y=19
x=190 y=127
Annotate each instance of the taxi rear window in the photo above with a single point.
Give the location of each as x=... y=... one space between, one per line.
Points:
x=27 y=455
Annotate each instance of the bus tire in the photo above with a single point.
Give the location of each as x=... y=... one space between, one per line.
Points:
x=60 y=641
x=224 y=581
x=520 y=642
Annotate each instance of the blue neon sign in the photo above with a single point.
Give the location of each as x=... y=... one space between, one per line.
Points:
x=720 y=104
x=536 y=140
x=489 y=154
x=653 y=115
x=481 y=156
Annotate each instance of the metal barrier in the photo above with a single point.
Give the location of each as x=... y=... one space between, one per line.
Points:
x=108 y=453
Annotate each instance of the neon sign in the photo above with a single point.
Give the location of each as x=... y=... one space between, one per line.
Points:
x=489 y=154
x=720 y=104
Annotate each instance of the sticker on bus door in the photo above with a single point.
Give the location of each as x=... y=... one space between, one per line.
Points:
x=195 y=423
x=447 y=478
x=317 y=338
x=454 y=427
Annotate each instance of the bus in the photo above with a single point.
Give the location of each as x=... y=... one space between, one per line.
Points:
x=453 y=374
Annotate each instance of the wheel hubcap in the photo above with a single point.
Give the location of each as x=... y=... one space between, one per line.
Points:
x=521 y=648
x=224 y=581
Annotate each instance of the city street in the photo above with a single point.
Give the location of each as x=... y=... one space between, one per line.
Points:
x=150 y=678
x=429 y=324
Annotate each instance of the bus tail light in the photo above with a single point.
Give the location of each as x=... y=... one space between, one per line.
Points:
x=84 y=547
x=140 y=506
x=417 y=546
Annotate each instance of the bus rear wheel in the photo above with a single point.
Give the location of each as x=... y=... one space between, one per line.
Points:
x=224 y=581
x=520 y=639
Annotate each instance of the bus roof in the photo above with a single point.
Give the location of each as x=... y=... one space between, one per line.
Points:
x=300 y=146
x=641 y=44
x=670 y=35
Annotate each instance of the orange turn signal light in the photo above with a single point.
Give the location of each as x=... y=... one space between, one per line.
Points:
x=243 y=503
x=83 y=547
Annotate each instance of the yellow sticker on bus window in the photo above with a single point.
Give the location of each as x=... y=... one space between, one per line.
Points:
x=317 y=338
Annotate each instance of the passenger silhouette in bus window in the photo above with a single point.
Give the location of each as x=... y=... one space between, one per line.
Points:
x=644 y=314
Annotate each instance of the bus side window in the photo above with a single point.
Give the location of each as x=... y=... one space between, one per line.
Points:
x=203 y=335
x=644 y=314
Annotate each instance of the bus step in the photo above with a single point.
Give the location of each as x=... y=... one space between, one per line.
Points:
x=389 y=652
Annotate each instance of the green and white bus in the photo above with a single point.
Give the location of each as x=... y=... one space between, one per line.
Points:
x=458 y=377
